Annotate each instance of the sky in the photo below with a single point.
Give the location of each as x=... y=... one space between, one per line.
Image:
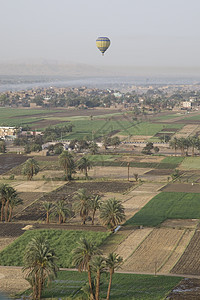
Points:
x=143 y=33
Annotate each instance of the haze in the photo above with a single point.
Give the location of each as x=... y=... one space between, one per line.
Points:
x=143 y=33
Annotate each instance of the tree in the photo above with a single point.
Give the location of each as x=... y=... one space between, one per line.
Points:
x=95 y=203
x=10 y=196
x=3 y=188
x=93 y=148
x=15 y=201
x=174 y=144
x=82 y=204
x=61 y=210
x=2 y=146
x=39 y=265
x=82 y=256
x=156 y=149
x=30 y=168
x=84 y=165
x=67 y=162
x=48 y=208
x=112 y=262
x=112 y=213
x=115 y=141
x=98 y=265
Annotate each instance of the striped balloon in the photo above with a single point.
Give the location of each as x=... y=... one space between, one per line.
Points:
x=102 y=44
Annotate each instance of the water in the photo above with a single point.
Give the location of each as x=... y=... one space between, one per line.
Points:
x=18 y=83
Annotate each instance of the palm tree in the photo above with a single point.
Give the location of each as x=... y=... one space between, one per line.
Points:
x=95 y=203
x=98 y=265
x=67 y=162
x=112 y=213
x=3 y=188
x=174 y=144
x=48 y=208
x=30 y=168
x=39 y=265
x=83 y=254
x=93 y=148
x=112 y=262
x=61 y=210
x=14 y=201
x=193 y=140
x=10 y=193
x=82 y=204
x=84 y=165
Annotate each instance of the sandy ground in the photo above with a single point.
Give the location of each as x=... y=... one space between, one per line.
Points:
x=12 y=281
x=37 y=186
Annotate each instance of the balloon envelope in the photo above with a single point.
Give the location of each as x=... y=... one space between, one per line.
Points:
x=102 y=44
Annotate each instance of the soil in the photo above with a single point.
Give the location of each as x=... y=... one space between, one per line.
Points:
x=159 y=172
x=9 y=161
x=187 y=289
x=36 y=211
x=189 y=261
x=154 y=251
x=181 y=187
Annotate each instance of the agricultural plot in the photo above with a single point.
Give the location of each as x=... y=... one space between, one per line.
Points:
x=187 y=130
x=167 y=205
x=9 y=161
x=190 y=163
x=182 y=187
x=62 y=241
x=36 y=211
x=139 y=197
x=152 y=254
x=124 y=286
x=189 y=261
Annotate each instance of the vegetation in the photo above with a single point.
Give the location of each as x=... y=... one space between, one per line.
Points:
x=67 y=163
x=112 y=213
x=124 y=286
x=8 y=199
x=30 y=168
x=84 y=165
x=39 y=265
x=82 y=204
x=63 y=242
x=167 y=205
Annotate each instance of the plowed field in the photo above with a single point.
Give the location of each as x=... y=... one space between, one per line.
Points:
x=36 y=211
x=189 y=261
x=9 y=161
x=154 y=251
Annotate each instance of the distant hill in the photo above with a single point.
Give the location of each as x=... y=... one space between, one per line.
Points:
x=50 y=69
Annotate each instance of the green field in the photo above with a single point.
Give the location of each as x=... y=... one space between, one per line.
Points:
x=97 y=127
x=170 y=162
x=63 y=242
x=190 y=163
x=167 y=205
x=17 y=116
x=124 y=286
x=149 y=129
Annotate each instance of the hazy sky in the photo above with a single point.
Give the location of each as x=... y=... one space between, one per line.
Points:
x=142 y=32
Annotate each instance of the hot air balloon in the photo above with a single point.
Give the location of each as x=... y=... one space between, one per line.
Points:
x=102 y=44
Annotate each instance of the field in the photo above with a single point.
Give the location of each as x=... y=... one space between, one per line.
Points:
x=36 y=212
x=190 y=163
x=155 y=250
x=124 y=286
x=189 y=261
x=62 y=241
x=168 y=205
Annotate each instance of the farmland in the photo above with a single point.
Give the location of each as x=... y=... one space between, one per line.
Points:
x=124 y=286
x=168 y=205
x=162 y=216
x=61 y=240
